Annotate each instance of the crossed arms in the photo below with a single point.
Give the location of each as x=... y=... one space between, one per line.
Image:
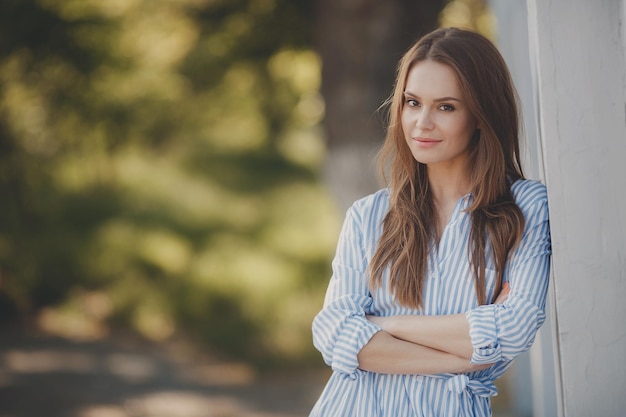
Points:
x=350 y=338
x=421 y=344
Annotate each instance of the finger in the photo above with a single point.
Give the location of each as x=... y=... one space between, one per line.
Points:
x=504 y=294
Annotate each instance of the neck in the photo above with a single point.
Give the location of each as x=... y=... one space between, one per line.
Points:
x=448 y=185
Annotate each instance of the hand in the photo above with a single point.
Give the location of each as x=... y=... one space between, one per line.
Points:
x=504 y=294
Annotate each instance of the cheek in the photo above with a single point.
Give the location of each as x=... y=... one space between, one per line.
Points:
x=464 y=129
x=405 y=123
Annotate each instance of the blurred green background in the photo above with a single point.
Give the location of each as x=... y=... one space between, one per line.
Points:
x=161 y=170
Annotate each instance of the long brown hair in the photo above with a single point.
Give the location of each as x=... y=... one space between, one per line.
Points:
x=494 y=161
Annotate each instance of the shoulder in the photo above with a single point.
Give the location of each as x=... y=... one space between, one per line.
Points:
x=529 y=192
x=379 y=198
x=531 y=196
x=371 y=208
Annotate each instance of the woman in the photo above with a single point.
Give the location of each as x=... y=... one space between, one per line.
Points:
x=439 y=280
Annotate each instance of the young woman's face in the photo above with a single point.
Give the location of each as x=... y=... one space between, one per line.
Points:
x=436 y=122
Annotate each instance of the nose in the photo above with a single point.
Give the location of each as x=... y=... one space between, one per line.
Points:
x=424 y=119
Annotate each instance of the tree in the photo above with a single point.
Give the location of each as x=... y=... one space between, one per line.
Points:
x=159 y=170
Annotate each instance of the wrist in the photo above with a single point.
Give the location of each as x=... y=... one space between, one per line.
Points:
x=391 y=325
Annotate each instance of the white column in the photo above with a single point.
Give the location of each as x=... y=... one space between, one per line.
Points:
x=532 y=377
x=581 y=88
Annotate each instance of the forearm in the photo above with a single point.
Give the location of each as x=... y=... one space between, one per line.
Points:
x=389 y=355
x=449 y=333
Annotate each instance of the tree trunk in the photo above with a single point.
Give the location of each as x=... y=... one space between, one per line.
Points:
x=360 y=42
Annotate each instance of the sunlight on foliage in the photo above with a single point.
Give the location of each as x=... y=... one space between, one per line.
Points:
x=25 y=107
x=237 y=124
x=156 y=183
x=159 y=39
x=301 y=69
x=152 y=321
x=301 y=143
x=302 y=224
x=231 y=264
x=470 y=14
x=82 y=317
x=303 y=147
x=77 y=9
x=292 y=317
x=167 y=154
x=165 y=250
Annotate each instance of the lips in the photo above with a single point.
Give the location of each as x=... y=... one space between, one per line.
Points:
x=426 y=140
x=426 y=143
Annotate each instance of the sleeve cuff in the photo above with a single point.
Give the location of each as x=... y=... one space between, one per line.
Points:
x=484 y=335
x=355 y=336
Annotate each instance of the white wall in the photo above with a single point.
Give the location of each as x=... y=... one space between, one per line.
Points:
x=579 y=48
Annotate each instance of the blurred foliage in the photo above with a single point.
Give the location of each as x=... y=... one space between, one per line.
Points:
x=159 y=171
x=470 y=14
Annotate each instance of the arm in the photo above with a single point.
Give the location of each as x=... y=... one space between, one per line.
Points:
x=340 y=329
x=449 y=333
x=503 y=330
x=344 y=336
x=386 y=354
x=445 y=333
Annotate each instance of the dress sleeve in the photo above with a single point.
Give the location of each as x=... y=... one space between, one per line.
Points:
x=503 y=331
x=340 y=329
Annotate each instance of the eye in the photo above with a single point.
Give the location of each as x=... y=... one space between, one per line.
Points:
x=446 y=107
x=411 y=102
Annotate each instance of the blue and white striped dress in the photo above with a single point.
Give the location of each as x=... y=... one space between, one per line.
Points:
x=499 y=332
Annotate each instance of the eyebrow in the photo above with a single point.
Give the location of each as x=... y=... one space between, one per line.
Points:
x=437 y=100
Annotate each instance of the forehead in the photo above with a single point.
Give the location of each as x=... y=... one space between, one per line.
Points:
x=432 y=79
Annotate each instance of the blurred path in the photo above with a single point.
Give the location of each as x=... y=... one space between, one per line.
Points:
x=52 y=377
